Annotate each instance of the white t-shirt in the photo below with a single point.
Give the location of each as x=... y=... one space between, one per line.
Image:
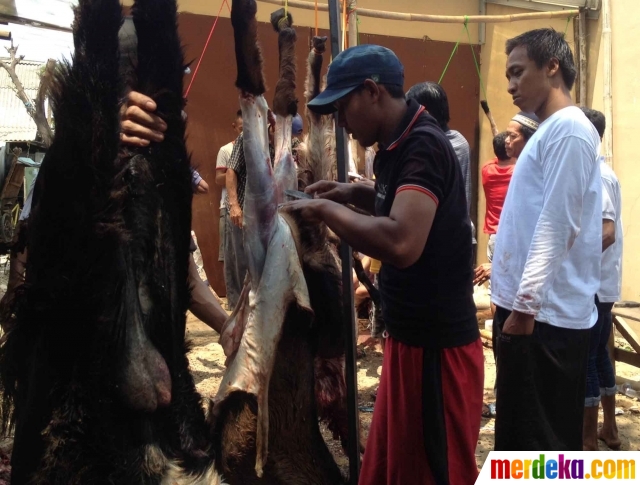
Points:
x=549 y=244
x=221 y=164
x=611 y=281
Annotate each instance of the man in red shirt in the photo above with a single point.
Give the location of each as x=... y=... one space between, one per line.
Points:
x=496 y=176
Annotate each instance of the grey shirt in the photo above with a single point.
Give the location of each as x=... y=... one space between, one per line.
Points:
x=461 y=147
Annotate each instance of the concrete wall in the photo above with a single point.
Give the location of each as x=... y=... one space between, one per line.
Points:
x=626 y=109
x=626 y=83
x=626 y=119
x=493 y=74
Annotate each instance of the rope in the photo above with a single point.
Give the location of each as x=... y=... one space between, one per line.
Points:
x=453 y=53
x=316 y=18
x=567 y=26
x=465 y=27
x=286 y=7
x=484 y=91
x=195 y=72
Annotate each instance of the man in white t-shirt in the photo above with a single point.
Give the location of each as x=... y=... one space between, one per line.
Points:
x=546 y=265
x=221 y=174
x=601 y=378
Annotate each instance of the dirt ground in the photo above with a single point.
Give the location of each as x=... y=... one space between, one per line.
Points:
x=207 y=364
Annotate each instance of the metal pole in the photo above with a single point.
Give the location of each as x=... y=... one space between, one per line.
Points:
x=348 y=310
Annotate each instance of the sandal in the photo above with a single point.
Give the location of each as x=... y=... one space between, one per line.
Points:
x=489 y=410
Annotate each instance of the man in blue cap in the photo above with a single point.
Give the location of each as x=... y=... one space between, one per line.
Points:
x=427 y=416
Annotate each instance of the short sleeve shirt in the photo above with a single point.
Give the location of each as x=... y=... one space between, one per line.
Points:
x=430 y=303
x=611 y=273
x=495 y=181
x=238 y=165
x=222 y=161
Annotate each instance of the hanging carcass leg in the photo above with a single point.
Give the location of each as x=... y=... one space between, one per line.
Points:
x=285 y=103
x=275 y=272
x=317 y=154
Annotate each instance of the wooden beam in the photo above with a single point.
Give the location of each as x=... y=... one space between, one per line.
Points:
x=442 y=19
x=353 y=23
x=628 y=333
x=627 y=313
x=627 y=357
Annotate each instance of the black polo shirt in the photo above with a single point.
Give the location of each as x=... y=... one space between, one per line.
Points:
x=429 y=304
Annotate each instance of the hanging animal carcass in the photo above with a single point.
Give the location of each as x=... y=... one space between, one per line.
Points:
x=94 y=374
x=288 y=323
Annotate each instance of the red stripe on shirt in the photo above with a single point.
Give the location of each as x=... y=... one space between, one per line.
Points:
x=419 y=189
x=221 y=168
x=407 y=130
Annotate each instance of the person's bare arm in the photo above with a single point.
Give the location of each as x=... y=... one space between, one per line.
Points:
x=396 y=239
x=608 y=233
x=221 y=177
x=202 y=188
x=235 y=211
x=361 y=195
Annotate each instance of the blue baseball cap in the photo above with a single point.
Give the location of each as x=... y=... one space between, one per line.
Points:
x=296 y=125
x=351 y=68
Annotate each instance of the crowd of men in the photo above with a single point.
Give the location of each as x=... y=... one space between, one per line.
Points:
x=555 y=251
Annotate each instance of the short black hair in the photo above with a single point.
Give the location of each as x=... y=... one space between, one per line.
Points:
x=597 y=119
x=526 y=132
x=434 y=98
x=542 y=46
x=394 y=90
x=239 y=114
x=499 y=146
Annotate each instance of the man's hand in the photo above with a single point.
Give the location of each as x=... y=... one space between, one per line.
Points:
x=235 y=213
x=139 y=125
x=335 y=191
x=309 y=209
x=202 y=188
x=482 y=274
x=519 y=324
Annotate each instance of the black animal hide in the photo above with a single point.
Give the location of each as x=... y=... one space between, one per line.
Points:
x=248 y=55
x=95 y=370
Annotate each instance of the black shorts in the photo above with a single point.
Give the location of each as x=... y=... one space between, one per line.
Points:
x=541 y=383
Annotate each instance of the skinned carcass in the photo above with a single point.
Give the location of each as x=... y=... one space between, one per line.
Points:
x=94 y=374
x=265 y=418
x=285 y=104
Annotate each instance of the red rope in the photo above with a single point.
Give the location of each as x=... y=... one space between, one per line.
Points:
x=195 y=72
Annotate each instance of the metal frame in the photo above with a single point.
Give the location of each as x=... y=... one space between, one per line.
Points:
x=348 y=310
